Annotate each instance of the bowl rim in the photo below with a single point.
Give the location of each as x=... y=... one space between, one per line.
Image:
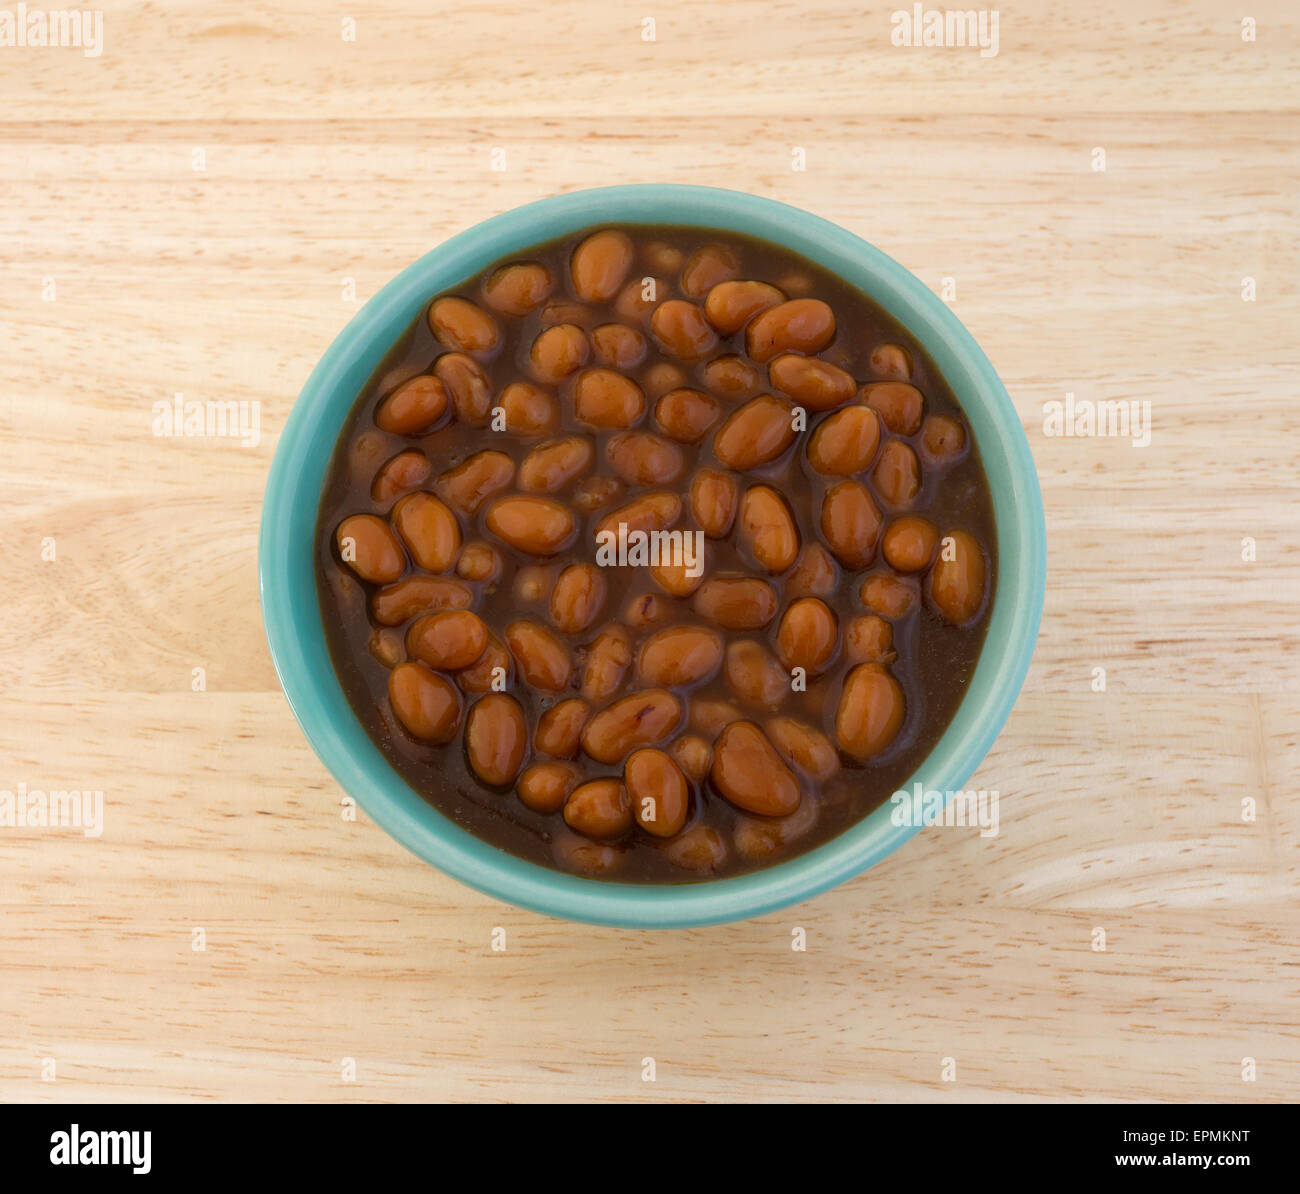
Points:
x=295 y=632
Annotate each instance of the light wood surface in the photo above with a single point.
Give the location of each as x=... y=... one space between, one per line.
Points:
x=328 y=160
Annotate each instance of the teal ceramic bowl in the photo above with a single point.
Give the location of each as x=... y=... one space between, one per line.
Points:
x=293 y=620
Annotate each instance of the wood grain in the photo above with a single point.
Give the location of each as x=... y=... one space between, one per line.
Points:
x=327 y=161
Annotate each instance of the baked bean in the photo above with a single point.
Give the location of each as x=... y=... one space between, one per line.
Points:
x=957 y=579
x=943 y=439
x=649 y=512
x=638 y=299
x=897 y=474
x=870 y=712
x=559 y=729
x=736 y=602
x=367 y=452
x=658 y=791
x=807 y=748
x=543 y=660
x=731 y=377
x=605 y=399
x=606 y=663
x=767 y=528
x=889 y=596
x=496 y=739
x=662 y=377
x=807 y=635
x=731 y=305
x=706 y=268
x=544 y=787
x=467 y=384
x=519 y=288
x=448 y=641
x=394 y=603
x=426 y=704
x=845 y=443
x=491 y=670
x=694 y=756
x=387 y=647
x=535 y=525
x=666 y=258
x=551 y=466
x=533 y=582
x=480 y=562
x=640 y=719
x=869 y=639
x=850 y=523
x=714 y=496
x=811 y=382
x=600 y=808
x=758 y=839
x=678 y=579
x=891 y=360
x=558 y=351
x=429 y=529
x=701 y=848
x=800 y=325
x=679 y=656
x=566 y=311
x=908 y=544
x=643 y=458
x=476 y=479
x=748 y=771
x=686 y=414
x=578 y=597
x=594 y=493
x=755 y=433
x=680 y=329
x=618 y=346
x=815 y=573
x=529 y=410
x=368 y=546
x=465 y=326
x=646 y=610
x=898 y=404
x=599 y=265
x=754 y=675
x=710 y=716
x=406 y=470
x=414 y=407
x=576 y=853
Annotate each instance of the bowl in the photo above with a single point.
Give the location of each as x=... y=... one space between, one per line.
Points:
x=293 y=620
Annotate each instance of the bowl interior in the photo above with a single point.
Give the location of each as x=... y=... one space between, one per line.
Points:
x=296 y=635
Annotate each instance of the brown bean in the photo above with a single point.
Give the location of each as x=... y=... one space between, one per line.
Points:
x=639 y=719
x=518 y=288
x=957 y=580
x=426 y=704
x=701 y=848
x=387 y=647
x=762 y=838
x=892 y=361
x=899 y=405
x=559 y=729
x=678 y=579
x=755 y=433
x=544 y=787
x=529 y=410
x=618 y=346
x=748 y=771
x=889 y=596
x=496 y=738
x=534 y=582
x=557 y=352
x=468 y=386
x=897 y=475
x=480 y=562
x=643 y=458
x=578 y=597
x=678 y=656
x=448 y=641
x=666 y=258
x=943 y=439
x=731 y=305
x=567 y=311
x=414 y=407
x=731 y=377
x=549 y=467
x=686 y=414
x=369 y=547
x=606 y=663
x=680 y=330
x=465 y=326
x=845 y=443
x=637 y=300
x=600 y=808
x=393 y=604
x=662 y=377
x=576 y=853
x=807 y=748
x=543 y=660
x=754 y=675
x=714 y=496
x=658 y=791
x=708 y=267
x=650 y=512
x=710 y=717
x=736 y=602
x=870 y=712
x=406 y=470
x=604 y=399
x=429 y=529
x=694 y=756
x=811 y=382
x=646 y=610
x=908 y=544
x=594 y=493
x=815 y=573
x=807 y=635
x=370 y=448
x=850 y=522
x=868 y=638
x=599 y=265
x=491 y=670
x=475 y=479
x=535 y=525
x=767 y=528
x=800 y=325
